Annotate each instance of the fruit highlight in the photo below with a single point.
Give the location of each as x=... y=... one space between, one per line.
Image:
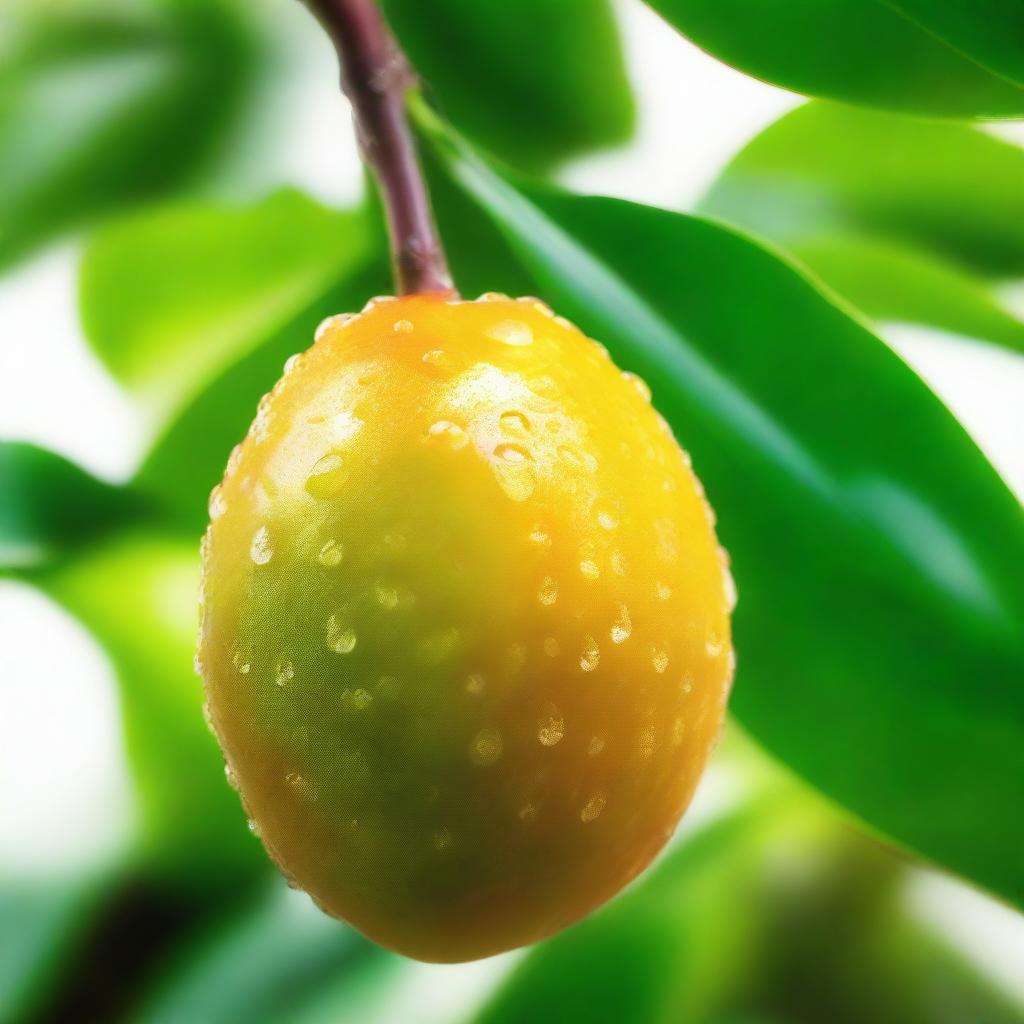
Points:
x=465 y=635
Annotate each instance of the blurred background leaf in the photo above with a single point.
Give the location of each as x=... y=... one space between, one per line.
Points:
x=532 y=81
x=860 y=51
x=137 y=592
x=51 y=505
x=989 y=31
x=136 y=99
x=874 y=581
x=912 y=221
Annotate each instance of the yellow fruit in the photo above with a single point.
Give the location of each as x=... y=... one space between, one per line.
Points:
x=466 y=625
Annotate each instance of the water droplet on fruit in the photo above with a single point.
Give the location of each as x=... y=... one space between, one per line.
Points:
x=659 y=660
x=647 y=741
x=341 y=637
x=513 y=470
x=291 y=362
x=450 y=434
x=284 y=672
x=402 y=327
x=475 y=683
x=331 y=553
x=229 y=775
x=217 y=505
x=551 y=728
x=595 y=746
x=327 y=477
x=361 y=699
x=338 y=320
x=618 y=562
x=623 y=627
x=663 y=591
x=548 y=593
x=551 y=647
x=589 y=568
x=486 y=747
x=591 y=655
x=540 y=537
x=639 y=383
x=515 y=423
x=607 y=521
x=511 y=332
x=593 y=807
x=241 y=663
x=261 y=550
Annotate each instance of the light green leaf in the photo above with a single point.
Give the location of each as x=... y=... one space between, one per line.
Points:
x=878 y=555
x=104 y=104
x=859 y=51
x=138 y=593
x=532 y=81
x=826 y=170
x=895 y=283
x=195 y=308
x=990 y=32
x=49 y=505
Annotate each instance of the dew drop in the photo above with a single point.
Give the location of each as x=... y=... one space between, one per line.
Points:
x=331 y=553
x=511 y=332
x=589 y=569
x=591 y=655
x=291 y=362
x=623 y=627
x=714 y=646
x=261 y=550
x=338 y=320
x=647 y=742
x=514 y=472
x=486 y=747
x=540 y=537
x=595 y=746
x=217 y=505
x=493 y=297
x=593 y=807
x=241 y=663
x=361 y=699
x=515 y=423
x=448 y=433
x=341 y=638
x=607 y=521
x=327 y=477
x=284 y=672
x=678 y=731
x=639 y=383
x=551 y=647
x=300 y=785
x=475 y=683
x=402 y=327
x=663 y=591
x=548 y=593
x=551 y=729
x=659 y=660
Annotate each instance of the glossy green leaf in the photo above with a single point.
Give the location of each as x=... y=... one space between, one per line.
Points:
x=773 y=913
x=826 y=170
x=277 y=959
x=895 y=283
x=990 y=32
x=878 y=555
x=49 y=505
x=196 y=308
x=138 y=593
x=860 y=51
x=108 y=103
x=532 y=81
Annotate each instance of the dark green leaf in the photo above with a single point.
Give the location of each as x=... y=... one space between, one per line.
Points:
x=108 y=103
x=878 y=555
x=267 y=967
x=826 y=170
x=990 y=32
x=196 y=309
x=138 y=593
x=48 y=505
x=532 y=81
x=860 y=51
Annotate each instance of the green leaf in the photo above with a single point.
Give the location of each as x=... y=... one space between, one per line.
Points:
x=138 y=593
x=280 y=956
x=108 y=103
x=990 y=32
x=895 y=283
x=195 y=309
x=773 y=913
x=534 y=82
x=49 y=505
x=859 y=51
x=828 y=170
x=878 y=555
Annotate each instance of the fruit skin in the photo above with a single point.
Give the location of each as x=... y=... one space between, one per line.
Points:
x=466 y=634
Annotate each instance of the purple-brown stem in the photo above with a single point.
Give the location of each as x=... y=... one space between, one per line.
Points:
x=376 y=77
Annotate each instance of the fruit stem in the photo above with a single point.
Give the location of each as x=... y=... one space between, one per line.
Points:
x=376 y=78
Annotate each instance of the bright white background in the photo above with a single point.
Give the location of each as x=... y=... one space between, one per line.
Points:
x=64 y=791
